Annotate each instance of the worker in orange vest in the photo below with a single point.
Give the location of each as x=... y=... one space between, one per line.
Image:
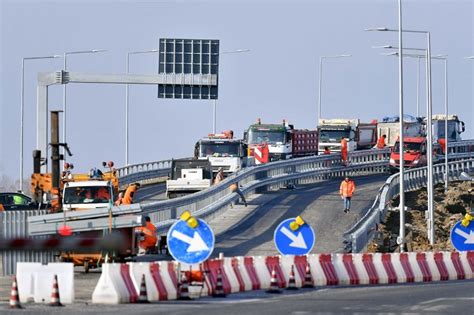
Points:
x=130 y=193
x=119 y=200
x=381 y=142
x=442 y=143
x=146 y=236
x=346 y=190
x=344 y=150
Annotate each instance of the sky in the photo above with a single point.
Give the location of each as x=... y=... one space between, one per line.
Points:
x=277 y=79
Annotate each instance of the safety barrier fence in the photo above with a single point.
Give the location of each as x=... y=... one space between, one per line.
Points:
x=143 y=172
x=362 y=232
x=124 y=283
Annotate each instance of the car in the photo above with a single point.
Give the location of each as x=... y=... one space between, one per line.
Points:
x=17 y=201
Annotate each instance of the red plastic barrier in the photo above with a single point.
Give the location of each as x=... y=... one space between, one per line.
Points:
x=125 y=273
x=458 y=265
x=212 y=266
x=173 y=276
x=155 y=274
x=443 y=271
x=388 y=266
x=300 y=265
x=406 y=267
x=328 y=269
x=248 y=263
x=235 y=267
x=470 y=260
x=370 y=268
x=425 y=269
x=351 y=269
x=273 y=263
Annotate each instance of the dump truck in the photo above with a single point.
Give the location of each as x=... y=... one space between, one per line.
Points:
x=358 y=135
x=390 y=126
x=223 y=151
x=188 y=176
x=455 y=127
x=283 y=140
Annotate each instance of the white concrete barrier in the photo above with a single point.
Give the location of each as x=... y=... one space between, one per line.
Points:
x=111 y=288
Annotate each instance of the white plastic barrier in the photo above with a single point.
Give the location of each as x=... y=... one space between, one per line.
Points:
x=316 y=270
x=262 y=271
x=111 y=288
x=342 y=274
x=453 y=275
x=360 y=268
x=169 y=283
x=435 y=275
x=286 y=263
x=465 y=264
x=244 y=273
x=137 y=270
x=35 y=282
x=415 y=267
x=397 y=266
x=230 y=273
x=379 y=267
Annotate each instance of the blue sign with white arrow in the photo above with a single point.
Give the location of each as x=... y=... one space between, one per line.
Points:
x=462 y=237
x=190 y=245
x=290 y=242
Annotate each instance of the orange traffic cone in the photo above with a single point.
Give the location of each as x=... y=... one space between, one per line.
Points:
x=219 y=289
x=55 y=300
x=291 y=280
x=308 y=278
x=274 y=285
x=184 y=289
x=14 y=297
x=143 y=297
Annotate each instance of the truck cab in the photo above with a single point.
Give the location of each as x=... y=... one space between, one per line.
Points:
x=188 y=176
x=455 y=127
x=223 y=152
x=87 y=195
x=358 y=135
x=414 y=153
x=276 y=136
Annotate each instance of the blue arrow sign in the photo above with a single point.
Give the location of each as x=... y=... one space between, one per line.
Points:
x=188 y=245
x=289 y=242
x=462 y=237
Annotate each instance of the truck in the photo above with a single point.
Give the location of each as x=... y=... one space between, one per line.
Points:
x=455 y=127
x=358 y=135
x=414 y=153
x=223 y=151
x=188 y=176
x=283 y=140
x=390 y=126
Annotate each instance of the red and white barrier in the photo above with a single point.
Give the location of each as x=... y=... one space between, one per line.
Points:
x=286 y=263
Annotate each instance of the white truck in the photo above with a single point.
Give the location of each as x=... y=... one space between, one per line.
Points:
x=390 y=127
x=455 y=127
x=358 y=135
x=82 y=195
x=223 y=152
x=188 y=176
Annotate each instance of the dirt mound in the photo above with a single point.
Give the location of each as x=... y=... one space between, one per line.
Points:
x=450 y=208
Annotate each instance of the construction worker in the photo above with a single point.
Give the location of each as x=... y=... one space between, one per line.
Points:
x=344 y=151
x=119 y=200
x=326 y=150
x=147 y=237
x=235 y=188
x=346 y=190
x=130 y=194
x=219 y=176
x=442 y=143
x=102 y=193
x=381 y=142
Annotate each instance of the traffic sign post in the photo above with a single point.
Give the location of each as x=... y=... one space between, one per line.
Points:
x=294 y=239
x=462 y=237
x=190 y=245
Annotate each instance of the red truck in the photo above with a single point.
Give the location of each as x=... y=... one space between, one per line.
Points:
x=414 y=153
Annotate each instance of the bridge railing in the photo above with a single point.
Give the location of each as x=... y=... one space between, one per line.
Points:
x=362 y=232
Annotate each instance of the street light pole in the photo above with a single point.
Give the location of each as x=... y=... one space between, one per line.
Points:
x=64 y=85
x=22 y=109
x=321 y=77
x=214 y=102
x=127 y=68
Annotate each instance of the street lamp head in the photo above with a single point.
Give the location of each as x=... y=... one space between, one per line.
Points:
x=469 y=57
x=384 y=46
x=98 y=50
x=234 y=51
x=376 y=29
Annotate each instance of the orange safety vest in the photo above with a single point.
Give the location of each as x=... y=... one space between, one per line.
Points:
x=344 y=149
x=442 y=143
x=150 y=236
x=347 y=188
x=128 y=196
x=381 y=143
x=327 y=151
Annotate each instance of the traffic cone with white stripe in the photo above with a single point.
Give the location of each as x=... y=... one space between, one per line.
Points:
x=219 y=289
x=291 y=280
x=274 y=285
x=143 y=297
x=14 y=297
x=308 y=278
x=55 y=300
x=184 y=288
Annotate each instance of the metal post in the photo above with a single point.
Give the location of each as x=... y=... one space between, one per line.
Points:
x=214 y=116
x=22 y=110
x=418 y=89
x=446 y=173
x=402 y=162
x=55 y=158
x=430 y=144
x=320 y=80
x=126 y=111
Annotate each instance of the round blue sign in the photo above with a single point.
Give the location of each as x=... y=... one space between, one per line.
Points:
x=289 y=242
x=462 y=237
x=188 y=245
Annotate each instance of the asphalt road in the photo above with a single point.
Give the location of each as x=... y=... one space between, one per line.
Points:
x=453 y=297
x=320 y=206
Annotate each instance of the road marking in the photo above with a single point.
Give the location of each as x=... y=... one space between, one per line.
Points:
x=296 y=241
x=196 y=244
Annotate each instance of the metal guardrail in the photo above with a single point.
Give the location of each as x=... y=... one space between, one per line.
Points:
x=143 y=172
x=362 y=232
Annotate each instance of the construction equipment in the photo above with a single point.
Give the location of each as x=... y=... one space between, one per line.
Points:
x=390 y=126
x=455 y=127
x=358 y=135
x=188 y=176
